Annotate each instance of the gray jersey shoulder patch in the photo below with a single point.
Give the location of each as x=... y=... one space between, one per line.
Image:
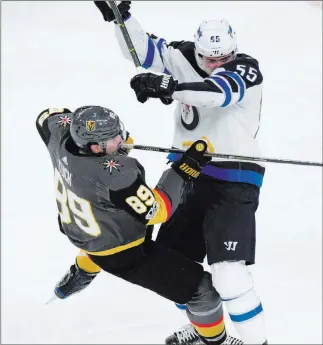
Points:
x=119 y=172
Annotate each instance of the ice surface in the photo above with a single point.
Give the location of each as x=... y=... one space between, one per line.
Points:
x=62 y=54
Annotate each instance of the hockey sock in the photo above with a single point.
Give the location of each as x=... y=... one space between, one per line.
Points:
x=247 y=316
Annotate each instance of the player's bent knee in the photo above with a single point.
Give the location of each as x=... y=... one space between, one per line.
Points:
x=231 y=278
x=205 y=297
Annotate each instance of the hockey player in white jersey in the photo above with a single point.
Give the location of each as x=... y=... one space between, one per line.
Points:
x=219 y=94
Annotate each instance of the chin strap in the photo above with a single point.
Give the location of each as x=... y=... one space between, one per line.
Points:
x=102 y=145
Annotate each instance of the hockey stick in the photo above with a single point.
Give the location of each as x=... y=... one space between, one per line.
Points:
x=125 y=35
x=225 y=156
x=129 y=43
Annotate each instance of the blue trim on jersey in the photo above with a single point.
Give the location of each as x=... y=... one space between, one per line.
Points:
x=159 y=47
x=150 y=54
x=60 y=292
x=225 y=88
x=246 y=316
x=234 y=175
x=173 y=157
x=237 y=78
x=181 y=306
x=225 y=174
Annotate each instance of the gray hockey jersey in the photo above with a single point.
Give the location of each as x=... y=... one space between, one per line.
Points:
x=104 y=203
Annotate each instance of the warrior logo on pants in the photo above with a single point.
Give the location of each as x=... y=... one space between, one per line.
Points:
x=230 y=245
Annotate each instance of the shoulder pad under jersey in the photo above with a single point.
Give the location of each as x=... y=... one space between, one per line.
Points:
x=247 y=67
x=119 y=172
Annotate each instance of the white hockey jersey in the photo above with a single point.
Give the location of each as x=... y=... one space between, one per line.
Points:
x=223 y=108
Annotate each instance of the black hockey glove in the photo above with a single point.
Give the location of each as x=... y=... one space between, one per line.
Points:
x=193 y=161
x=75 y=280
x=166 y=101
x=107 y=13
x=151 y=85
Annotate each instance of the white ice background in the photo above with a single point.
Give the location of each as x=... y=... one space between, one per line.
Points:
x=62 y=54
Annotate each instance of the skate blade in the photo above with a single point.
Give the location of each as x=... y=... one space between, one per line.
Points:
x=52 y=299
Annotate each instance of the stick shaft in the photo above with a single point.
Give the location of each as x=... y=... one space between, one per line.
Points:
x=226 y=156
x=125 y=33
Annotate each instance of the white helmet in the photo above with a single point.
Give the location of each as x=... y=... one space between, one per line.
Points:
x=214 y=39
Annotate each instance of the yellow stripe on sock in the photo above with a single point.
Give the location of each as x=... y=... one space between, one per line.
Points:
x=87 y=265
x=210 y=332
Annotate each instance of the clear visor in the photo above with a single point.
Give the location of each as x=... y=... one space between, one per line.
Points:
x=122 y=132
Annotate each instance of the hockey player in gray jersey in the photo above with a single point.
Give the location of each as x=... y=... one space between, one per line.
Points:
x=219 y=95
x=105 y=206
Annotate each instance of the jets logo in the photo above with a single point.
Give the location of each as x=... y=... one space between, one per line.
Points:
x=190 y=117
x=199 y=33
x=230 y=31
x=64 y=121
x=90 y=126
x=111 y=164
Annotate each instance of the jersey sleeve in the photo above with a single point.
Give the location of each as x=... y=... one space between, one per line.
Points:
x=225 y=87
x=152 y=51
x=50 y=119
x=149 y=205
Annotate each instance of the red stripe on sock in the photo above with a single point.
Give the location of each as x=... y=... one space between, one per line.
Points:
x=208 y=324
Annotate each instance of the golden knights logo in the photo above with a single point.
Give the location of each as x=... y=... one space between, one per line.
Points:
x=111 y=164
x=90 y=126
